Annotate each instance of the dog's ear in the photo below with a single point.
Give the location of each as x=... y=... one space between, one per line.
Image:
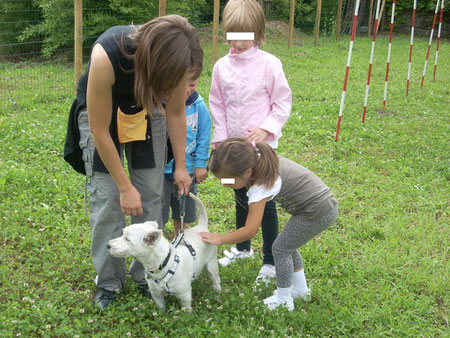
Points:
x=152 y=237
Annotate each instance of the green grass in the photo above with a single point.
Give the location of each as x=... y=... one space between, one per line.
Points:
x=381 y=270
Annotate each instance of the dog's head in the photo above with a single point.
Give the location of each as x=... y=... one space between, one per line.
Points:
x=138 y=240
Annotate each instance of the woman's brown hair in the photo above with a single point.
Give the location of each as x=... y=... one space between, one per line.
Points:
x=234 y=156
x=167 y=48
x=244 y=16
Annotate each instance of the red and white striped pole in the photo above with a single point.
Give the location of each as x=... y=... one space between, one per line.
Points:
x=429 y=43
x=411 y=46
x=389 y=53
x=366 y=98
x=349 y=59
x=438 y=39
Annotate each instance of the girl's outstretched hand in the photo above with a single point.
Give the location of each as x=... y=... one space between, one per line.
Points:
x=210 y=237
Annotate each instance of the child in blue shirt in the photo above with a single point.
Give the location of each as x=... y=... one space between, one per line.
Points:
x=198 y=140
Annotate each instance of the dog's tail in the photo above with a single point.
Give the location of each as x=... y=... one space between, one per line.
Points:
x=203 y=218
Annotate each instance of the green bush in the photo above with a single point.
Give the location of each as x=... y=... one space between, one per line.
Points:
x=15 y=16
x=56 y=28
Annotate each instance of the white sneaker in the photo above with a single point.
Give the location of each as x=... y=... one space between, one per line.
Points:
x=306 y=297
x=227 y=259
x=245 y=254
x=266 y=274
x=273 y=302
x=230 y=257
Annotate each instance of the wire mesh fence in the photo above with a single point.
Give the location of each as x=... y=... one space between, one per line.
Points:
x=37 y=39
x=37 y=36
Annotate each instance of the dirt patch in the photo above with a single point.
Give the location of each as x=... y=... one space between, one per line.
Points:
x=385 y=112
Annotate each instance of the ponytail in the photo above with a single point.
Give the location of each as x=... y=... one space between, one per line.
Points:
x=267 y=168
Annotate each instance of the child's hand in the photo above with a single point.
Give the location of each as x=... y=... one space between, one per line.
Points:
x=200 y=174
x=210 y=237
x=257 y=135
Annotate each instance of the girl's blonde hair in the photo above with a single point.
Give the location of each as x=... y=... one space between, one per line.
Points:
x=234 y=156
x=167 y=48
x=245 y=16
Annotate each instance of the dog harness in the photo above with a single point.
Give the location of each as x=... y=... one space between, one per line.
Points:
x=191 y=249
x=176 y=260
x=165 y=280
x=180 y=236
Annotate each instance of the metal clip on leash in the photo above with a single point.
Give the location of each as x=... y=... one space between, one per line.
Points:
x=182 y=211
x=182 y=201
x=181 y=234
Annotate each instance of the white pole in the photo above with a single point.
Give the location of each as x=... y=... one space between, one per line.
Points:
x=375 y=29
x=429 y=43
x=347 y=69
x=389 y=54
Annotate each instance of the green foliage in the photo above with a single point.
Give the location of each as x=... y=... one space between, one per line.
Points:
x=194 y=10
x=423 y=9
x=46 y=26
x=381 y=270
x=98 y=15
x=15 y=16
x=305 y=14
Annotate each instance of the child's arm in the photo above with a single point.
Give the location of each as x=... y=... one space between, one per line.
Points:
x=217 y=106
x=280 y=99
x=252 y=224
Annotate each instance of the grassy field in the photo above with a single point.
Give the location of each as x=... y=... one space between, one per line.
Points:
x=381 y=270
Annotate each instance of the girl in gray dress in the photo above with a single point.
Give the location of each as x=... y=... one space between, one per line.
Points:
x=238 y=163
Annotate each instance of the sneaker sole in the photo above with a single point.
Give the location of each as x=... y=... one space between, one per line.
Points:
x=306 y=297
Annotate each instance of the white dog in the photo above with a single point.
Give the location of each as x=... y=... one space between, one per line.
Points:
x=170 y=269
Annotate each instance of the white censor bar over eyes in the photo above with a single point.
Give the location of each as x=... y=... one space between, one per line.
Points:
x=241 y=36
x=227 y=180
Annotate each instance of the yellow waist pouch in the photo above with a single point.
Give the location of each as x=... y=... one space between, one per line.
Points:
x=131 y=124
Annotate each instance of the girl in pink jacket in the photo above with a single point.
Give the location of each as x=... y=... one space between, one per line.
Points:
x=250 y=97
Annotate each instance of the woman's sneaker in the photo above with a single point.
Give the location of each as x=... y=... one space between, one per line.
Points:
x=230 y=257
x=266 y=274
x=104 y=298
x=275 y=301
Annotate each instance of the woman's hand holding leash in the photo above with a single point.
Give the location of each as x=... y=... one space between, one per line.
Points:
x=183 y=180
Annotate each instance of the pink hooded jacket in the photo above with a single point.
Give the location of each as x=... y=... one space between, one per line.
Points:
x=249 y=90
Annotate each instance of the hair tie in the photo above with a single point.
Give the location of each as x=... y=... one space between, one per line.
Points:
x=254 y=145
